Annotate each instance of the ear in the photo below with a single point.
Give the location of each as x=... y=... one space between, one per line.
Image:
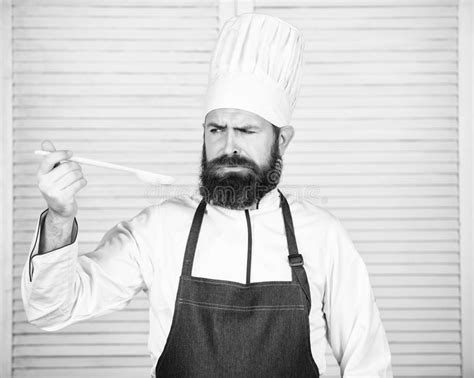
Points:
x=285 y=137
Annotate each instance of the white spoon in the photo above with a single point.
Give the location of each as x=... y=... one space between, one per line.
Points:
x=145 y=176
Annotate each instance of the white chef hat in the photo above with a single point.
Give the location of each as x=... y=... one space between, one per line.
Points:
x=256 y=66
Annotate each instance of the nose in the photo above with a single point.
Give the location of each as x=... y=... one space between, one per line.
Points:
x=231 y=147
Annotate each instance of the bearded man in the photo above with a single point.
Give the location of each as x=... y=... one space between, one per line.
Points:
x=242 y=280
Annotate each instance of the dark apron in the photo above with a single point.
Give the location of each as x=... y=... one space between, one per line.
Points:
x=229 y=329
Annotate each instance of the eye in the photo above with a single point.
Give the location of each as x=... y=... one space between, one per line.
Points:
x=247 y=131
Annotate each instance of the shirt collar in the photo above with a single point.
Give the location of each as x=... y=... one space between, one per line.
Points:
x=271 y=200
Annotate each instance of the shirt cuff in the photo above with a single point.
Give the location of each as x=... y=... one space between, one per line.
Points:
x=55 y=255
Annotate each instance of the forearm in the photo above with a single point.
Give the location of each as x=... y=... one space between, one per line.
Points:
x=55 y=233
x=60 y=287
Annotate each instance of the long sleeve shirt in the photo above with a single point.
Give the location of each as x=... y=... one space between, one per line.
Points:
x=62 y=287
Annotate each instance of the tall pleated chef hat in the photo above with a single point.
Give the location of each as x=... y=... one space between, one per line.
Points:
x=256 y=66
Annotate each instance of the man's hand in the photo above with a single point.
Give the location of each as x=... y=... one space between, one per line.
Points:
x=59 y=182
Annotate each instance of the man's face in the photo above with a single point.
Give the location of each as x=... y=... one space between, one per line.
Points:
x=238 y=132
x=241 y=160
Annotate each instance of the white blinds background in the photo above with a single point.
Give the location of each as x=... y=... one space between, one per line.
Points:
x=376 y=132
x=376 y=135
x=119 y=81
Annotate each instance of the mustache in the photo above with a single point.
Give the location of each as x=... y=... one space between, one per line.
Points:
x=232 y=161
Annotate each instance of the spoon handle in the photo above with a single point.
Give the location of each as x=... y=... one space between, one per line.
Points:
x=96 y=163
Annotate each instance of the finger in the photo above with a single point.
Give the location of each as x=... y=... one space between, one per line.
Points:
x=47 y=145
x=60 y=171
x=74 y=187
x=50 y=160
x=68 y=179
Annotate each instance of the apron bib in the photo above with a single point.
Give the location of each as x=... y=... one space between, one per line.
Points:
x=228 y=329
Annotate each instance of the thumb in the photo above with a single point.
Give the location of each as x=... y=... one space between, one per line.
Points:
x=47 y=145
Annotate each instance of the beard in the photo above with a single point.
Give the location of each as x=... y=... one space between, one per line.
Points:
x=238 y=189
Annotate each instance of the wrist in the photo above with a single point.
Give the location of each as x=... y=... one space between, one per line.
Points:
x=56 y=218
x=57 y=231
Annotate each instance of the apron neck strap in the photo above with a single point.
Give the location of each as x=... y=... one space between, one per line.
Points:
x=289 y=228
x=193 y=238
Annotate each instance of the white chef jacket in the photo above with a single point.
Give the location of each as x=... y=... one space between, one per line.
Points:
x=146 y=253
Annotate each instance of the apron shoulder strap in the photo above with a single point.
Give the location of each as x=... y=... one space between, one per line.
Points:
x=295 y=259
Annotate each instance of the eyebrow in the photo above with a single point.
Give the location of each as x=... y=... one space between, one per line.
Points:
x=212 y=124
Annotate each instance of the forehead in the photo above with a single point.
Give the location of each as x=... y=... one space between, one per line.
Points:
x=235 y=117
